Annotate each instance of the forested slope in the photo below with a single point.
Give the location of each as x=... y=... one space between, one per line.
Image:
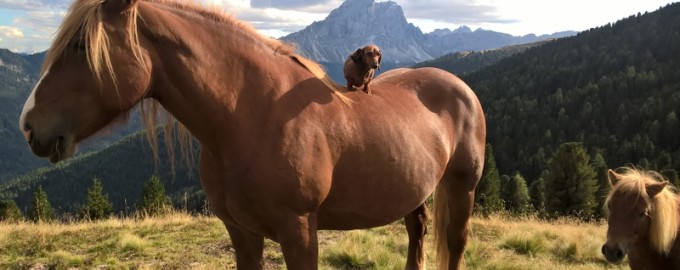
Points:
x=616 y=88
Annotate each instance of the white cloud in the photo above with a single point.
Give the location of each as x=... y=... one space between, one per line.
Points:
x=43 y=22
x=11 y=32
x=34 y=4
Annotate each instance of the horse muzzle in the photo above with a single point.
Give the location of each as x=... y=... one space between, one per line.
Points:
x=613 y=254
x=55 y=148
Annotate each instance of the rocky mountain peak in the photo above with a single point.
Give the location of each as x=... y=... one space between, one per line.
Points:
x=357 y=23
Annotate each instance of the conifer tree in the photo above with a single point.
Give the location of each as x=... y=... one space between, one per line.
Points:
x=97 y=205
x=602 y=175
x=9 y=211
x=537 y=193
x=154 y=202
x=571 y=182
x=40 y=209
x=517 y=200
x=487 y=195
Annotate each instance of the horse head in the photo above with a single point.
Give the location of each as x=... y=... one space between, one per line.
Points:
x=642 y=214
x=94 y=71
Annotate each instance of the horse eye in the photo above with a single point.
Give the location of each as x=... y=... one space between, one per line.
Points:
x=642 y=214
x=78 y=46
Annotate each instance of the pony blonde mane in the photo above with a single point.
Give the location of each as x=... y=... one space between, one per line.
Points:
x=663 y=208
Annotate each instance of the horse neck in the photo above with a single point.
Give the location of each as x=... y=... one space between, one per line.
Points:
x=210 y=72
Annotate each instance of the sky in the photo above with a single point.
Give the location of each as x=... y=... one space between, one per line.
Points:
x=29 y=25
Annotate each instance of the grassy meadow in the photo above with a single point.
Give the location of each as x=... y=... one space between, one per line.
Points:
x=180 y=241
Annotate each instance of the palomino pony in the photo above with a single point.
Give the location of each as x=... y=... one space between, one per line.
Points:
x=283 y=152
x=643 y=221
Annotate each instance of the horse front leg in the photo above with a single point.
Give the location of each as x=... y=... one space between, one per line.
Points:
x=416 y=226
x=248 y=248
x=297 y=235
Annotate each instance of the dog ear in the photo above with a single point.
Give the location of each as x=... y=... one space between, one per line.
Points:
x=356 y=56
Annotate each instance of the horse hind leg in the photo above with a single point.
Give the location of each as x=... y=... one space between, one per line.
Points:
x=248 y=248
x=297 y=235
x=454 y=199
x=416 y=226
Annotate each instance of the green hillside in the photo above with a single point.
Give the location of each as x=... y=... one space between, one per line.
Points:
x=18 y=74
x=616 y=88
x=123 y=168
x=462 y=63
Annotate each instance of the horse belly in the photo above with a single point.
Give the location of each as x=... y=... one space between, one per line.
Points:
x=363 y=199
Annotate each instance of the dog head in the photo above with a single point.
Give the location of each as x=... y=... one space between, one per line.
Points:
x=369 y=56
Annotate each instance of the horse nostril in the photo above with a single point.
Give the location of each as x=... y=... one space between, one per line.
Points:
x=28 y=133
x=619 y=254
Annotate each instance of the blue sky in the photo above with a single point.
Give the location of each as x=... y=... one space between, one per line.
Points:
x=29 y=25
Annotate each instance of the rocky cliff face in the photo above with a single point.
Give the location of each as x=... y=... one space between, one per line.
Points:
x=359 y=22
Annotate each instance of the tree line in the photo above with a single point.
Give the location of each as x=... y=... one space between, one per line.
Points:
x=97 y=206
x=572 y=185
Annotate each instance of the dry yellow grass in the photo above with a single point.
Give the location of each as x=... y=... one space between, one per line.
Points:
x=181 y=241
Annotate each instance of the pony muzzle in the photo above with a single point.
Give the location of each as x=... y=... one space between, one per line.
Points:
x=613 y=254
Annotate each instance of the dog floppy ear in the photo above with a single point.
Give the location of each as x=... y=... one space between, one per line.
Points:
x=356 y=56
x=379 y=60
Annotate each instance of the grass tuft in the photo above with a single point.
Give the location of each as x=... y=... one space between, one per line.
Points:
x=130 y=243
x=525 y=245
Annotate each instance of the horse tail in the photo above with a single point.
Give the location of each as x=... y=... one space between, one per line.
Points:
x=441 y=223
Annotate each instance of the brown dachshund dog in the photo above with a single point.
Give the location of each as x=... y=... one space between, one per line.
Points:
x=359 y=67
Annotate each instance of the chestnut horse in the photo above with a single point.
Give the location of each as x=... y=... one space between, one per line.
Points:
x=643 y=221
x=283 y=152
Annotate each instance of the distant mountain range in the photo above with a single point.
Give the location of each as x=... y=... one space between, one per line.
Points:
x=359 y=22
x=466 y=62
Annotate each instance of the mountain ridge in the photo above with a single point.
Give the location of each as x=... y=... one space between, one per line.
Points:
x=359 y=22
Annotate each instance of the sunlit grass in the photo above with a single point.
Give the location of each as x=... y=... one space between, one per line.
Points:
x=181 y=241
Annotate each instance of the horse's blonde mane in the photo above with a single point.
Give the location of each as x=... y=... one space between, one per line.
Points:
x=83 y=23
x=663 y=207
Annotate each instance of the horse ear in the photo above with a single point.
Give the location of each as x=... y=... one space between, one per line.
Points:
x=655 y=188
x=118 y=6
x=613 y=177
x=356 y=56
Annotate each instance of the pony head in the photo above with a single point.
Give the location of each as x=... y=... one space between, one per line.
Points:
x=94 y=71
x=643 y=213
